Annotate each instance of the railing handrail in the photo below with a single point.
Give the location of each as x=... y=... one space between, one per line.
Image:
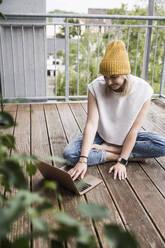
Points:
x=87 y=16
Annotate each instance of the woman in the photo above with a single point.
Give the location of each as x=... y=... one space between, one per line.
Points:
x=117 y=105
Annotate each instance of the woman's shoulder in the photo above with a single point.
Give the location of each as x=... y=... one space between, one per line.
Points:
x=140 y=83
x=97 y=82
x=96 y=85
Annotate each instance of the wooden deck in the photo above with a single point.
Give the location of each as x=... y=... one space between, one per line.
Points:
x=136 y=203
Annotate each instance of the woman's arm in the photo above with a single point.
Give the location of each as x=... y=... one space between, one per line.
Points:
x=119 y=169
x=89 y=133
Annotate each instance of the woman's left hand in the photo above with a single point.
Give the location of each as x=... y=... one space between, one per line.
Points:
x=119 y=170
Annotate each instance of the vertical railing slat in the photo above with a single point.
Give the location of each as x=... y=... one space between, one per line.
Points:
x=66 y=61
x=147 y=42
x=98 y=50
x=55 y=57
x=23 y=49
x=88 y=57
x=137 y=46
x=108 y=34
x=155 y=50
x=162 y=82
x=45 y=59
x=78 y=47
x=2 y=75
x=128 y=38
x=13 y=56
x=34 y=59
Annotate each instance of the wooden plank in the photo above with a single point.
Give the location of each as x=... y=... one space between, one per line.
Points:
x=22 y=136
x=55 y=129
x=99 y=194
x=70 y=201
x=132 y=212
x=79 y=114
x=156 y=173
x=40 y=148
x=156 y=118
x=84 y=105
x=10 y=107
x=152 y=200
x=155 y=167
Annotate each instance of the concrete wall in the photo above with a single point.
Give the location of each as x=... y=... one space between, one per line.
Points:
x=23 y=51
x=23 y=6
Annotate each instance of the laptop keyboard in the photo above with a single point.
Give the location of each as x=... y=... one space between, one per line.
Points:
x=81 y=185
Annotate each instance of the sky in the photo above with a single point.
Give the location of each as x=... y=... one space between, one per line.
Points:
x=81 y=6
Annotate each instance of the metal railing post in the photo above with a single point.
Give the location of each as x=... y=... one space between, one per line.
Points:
x=66 y=61
x=147 y=46
x=162 y=82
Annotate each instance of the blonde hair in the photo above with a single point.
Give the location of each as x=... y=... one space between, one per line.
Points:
x=127 y=87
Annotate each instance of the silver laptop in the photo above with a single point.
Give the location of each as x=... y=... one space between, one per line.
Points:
x=79 y=186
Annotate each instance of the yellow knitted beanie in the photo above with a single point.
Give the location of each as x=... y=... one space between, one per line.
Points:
x=115 y=60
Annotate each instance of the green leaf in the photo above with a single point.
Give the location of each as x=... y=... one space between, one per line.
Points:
x=50 y=185
x=14 y=209
x=2 y=199
x=2 y=16
x=44 y=207
x=13 y=173
x=85 y=238
x=92 y=210
x=26 y=158
x=58 y=159
x=20 y=243
x=5 y=243
x=6 y=120
x=117 y=237
x=7 y=140
x=59 y=197
x=68 y=227
x=39 y=225
x=31 y=169
x=64 y=219
x=55 y=243
x=5 y=183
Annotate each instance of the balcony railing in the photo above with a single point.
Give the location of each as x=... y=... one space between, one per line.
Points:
x=24 y=53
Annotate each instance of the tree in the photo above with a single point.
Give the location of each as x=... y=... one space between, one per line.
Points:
x=73 y=30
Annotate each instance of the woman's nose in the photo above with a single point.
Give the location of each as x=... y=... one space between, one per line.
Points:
x=109 y=81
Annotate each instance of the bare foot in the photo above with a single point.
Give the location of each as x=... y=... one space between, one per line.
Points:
x=108 y=148
x=98 y=147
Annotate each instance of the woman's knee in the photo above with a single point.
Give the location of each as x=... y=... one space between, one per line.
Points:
x=71 y=154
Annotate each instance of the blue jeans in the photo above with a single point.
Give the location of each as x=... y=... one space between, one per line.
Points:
x=147 y=145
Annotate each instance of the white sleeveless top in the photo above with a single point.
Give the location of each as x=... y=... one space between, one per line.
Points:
x=118 y=113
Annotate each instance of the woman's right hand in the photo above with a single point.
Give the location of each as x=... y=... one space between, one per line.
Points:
x=78 y=171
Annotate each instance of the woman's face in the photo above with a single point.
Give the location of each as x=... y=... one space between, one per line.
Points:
x=115 y=82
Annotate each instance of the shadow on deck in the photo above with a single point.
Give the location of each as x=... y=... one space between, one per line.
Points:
x=137 y=203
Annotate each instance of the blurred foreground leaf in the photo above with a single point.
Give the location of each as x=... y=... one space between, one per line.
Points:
x=13 y=173
x=70 y=227
x=7 y=140
x=50 y=185
x=14 y=208
x=117 y=237
x=92 y=210
x=31 y=168
x=6 y=120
